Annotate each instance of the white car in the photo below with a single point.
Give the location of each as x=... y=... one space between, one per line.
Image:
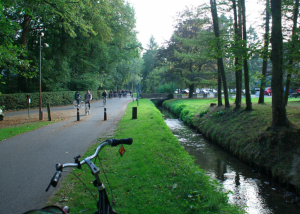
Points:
x=185 y=91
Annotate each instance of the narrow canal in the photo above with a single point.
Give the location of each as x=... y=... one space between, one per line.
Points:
x=254 y=192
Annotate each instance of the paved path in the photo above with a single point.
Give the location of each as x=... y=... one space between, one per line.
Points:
x=27 y=161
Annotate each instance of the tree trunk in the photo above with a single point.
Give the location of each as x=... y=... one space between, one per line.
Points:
x=291 y=60
x=221 y=71
x=265 y=56
x=219 y=89
x=191 y=90
x=246 y=72
x=238 y=71
x=279 y=117
x=22 y=81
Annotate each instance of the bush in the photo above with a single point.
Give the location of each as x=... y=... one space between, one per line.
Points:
x=19 y=101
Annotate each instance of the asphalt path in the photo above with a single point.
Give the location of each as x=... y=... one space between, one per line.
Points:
x=27 y=161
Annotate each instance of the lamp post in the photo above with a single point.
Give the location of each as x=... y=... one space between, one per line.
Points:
x=40 y=34
x=131 y=84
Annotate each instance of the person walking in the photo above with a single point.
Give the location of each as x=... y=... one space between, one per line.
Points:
x=88 y=98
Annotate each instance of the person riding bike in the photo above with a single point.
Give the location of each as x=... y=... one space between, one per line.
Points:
x=104 y=94
x=88 y=98
x=77 y=97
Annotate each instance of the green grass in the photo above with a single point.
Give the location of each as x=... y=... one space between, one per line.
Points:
x=12 y=131
x=245 y=133
x=154 y=176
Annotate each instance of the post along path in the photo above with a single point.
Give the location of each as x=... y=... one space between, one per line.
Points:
x=27 y=161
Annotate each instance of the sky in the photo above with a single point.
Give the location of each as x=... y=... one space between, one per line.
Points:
x=156 y=17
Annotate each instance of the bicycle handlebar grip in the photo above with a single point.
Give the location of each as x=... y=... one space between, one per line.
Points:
x=55 y=178
x=127 y=141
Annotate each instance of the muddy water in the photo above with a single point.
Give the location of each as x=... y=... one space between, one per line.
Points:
x=256 y=193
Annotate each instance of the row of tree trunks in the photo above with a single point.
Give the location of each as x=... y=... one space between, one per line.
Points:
x=291 y=60
x=221 y=72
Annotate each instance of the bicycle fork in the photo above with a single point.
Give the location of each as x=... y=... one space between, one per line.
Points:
x=103 y=204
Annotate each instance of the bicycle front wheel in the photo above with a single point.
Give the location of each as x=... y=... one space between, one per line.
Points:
x=75 y=104
x=82 y=104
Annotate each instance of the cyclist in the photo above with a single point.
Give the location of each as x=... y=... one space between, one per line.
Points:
x=77 y=97
x=104 y=94
x=88 y=98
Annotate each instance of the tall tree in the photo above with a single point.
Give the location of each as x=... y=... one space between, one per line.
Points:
x=293 y=51
x=221 y=72
x=238 y=68
x=150 y=61
x=246 y=70
x=279 y=117
x=265 y=54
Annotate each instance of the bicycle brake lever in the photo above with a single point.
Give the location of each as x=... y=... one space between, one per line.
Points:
x=77 y=161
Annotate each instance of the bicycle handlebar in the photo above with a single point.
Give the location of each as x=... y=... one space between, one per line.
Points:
x=59 y=167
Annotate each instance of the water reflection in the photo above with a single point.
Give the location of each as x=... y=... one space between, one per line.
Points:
x=250 y=190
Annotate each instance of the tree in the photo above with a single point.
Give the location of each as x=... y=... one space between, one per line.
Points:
x=245 y=56
x=150 y=61
x=265 y=55
x=279 y=117
x=221 y=72
x=293 y=51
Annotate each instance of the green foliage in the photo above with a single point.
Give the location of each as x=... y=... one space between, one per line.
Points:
x=218 y=114
x=20 y=101
x=202 y=113
x=166 y=88
x=88 y=40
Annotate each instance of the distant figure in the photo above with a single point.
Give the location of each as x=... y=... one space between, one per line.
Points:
x=110 y=94
x=104 y=94
x=77 y=97
x=88 y=98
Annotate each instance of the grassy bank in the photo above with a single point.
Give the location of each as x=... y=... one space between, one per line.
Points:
x=154 y=176
x=245 y=135
x=19 y=129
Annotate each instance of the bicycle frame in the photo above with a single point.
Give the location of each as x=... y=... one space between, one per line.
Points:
x=103 y=204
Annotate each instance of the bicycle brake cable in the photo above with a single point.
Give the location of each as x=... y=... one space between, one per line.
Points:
x=84 y=185
x=106 y=179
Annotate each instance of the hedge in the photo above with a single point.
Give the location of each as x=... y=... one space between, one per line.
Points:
x=19 y=101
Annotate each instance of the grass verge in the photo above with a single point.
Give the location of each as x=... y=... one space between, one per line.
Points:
x=245 y=133
x=155 y=175
x=16 y=130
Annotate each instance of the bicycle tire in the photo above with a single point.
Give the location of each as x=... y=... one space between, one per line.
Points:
x=82 y=104
x=75 y=104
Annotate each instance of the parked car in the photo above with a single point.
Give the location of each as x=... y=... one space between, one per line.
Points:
x=204 y=91
x=185 y=91
x=244 y=91
x=298 y=90
x=268 y=91
x=213 y=91
x=197 y=91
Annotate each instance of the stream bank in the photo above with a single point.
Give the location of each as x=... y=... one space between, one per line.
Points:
x=250 y=190
x=244 y=134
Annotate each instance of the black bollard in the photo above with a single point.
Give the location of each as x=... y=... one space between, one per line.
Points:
x=49 y=112
x=134 y=112
x=105 y=115
x=78 y=116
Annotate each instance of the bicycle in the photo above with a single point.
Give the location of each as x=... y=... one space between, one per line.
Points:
x=79 y=103
x=104 y=100
x=103 y=204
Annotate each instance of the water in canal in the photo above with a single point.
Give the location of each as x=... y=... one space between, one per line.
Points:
x=251 y=190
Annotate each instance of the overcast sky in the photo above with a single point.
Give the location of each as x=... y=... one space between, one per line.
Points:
x=156 y=17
